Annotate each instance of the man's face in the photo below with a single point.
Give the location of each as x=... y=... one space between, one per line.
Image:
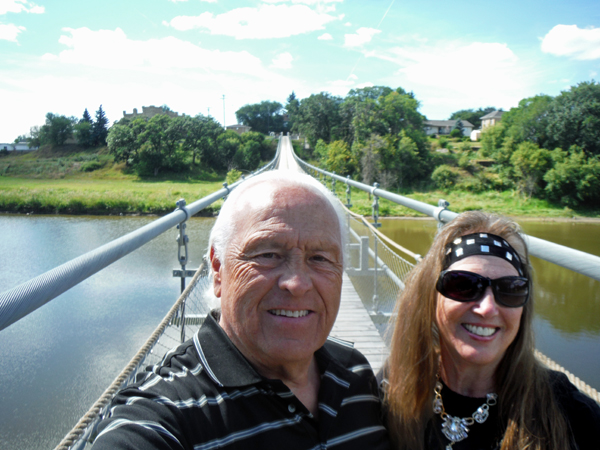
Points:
x=281 y=276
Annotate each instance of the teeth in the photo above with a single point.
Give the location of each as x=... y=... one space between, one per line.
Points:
x=287 y=313
x=480 y=331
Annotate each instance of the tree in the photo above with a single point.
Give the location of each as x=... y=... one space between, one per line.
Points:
x=574 y=179
x=319 y=117
x=530 y=164
x=99 y=128
x=201 y=134
x=83 y=130
x=228 y=144
x=56 y=130
x=291 y=112
x=459 y=127
x=339 y=159
x=529 y=121
x=263 y=117
x=86 y=117
x=122 y=142
x=574 y=118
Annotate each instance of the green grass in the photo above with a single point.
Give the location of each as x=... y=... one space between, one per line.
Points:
x=509 y=203
x=79 y=196
x=75 y=181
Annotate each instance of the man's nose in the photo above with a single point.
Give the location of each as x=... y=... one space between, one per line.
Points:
x=295 y=278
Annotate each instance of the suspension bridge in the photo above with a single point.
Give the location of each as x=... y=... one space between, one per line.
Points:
x=371 y=284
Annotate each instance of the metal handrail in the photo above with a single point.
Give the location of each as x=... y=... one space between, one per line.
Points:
x=575 y=260
x=25 y=298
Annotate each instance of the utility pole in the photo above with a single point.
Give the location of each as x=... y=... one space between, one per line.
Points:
x=223 y=110
x=209 y=111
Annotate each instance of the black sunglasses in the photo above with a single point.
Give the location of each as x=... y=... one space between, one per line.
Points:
x=463 y=286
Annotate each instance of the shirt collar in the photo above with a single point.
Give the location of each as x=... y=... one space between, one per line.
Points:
x=222 y=361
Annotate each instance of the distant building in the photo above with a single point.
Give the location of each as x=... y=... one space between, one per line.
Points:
x=475 y=135
x=148 y=112
x=491 y=119
x=238 y=128
x=20 y=146
x=446 y=126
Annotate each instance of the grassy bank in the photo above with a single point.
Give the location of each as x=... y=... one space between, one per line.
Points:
x=103 y=197
x=74 y=181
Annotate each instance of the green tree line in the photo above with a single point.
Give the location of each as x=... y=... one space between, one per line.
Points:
x=174 y=144
x=549 y=147
x=57 y=129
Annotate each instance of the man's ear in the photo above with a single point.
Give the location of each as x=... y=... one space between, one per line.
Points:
x=216 y=268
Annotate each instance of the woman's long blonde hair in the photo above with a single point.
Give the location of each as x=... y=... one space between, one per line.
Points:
x=532 y=418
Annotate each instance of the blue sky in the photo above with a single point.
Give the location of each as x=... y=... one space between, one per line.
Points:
x=64 y=56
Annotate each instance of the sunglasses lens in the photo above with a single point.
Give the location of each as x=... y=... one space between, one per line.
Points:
x=461 y=286
x=512 y=291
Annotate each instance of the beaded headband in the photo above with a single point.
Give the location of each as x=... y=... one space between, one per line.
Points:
x=481 y=244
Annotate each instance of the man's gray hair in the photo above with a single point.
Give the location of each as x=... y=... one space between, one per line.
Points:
x=223 y=229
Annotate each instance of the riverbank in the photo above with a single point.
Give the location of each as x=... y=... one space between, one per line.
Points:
x=131 y=196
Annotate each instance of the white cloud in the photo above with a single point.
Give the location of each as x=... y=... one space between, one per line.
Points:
x=17 y=6
x=114 y=50
x=264 y=22
x=362 y=36
x=572 y=41
x=283 y=61
x=9 y=32
x=124 y=73
x=325 y=37
x=457 y=75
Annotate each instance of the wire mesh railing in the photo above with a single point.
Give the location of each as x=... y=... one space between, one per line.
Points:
x=183 y=319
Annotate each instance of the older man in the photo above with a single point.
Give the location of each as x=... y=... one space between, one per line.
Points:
x=260 y=373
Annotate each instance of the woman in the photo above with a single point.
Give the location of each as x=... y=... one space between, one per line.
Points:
x=462 y=372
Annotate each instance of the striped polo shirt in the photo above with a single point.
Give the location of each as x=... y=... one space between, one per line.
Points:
x=205 y=395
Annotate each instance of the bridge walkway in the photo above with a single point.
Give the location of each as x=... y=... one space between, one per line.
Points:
x=353 y=322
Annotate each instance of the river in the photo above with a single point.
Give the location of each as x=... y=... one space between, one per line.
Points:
x=58 y=360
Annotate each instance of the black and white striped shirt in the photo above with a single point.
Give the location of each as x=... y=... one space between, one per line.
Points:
x=205 y=395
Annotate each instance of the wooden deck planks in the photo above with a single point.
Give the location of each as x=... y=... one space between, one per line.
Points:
x=355 y=325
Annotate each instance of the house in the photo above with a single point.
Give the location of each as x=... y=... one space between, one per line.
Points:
x=491 y=119
x=441 y=127
x=238 y=128
x=148 y=112
x=20 y=146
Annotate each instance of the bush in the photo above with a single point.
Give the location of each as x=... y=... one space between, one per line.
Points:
x=232 y=176
x=91 y=166
x=444 y=176
x=456 y=133
x=443 y=141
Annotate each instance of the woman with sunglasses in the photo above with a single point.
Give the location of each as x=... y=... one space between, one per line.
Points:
x=462 y=372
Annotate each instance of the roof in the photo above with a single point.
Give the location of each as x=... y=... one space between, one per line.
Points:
x=447 y=123
x=493 y=115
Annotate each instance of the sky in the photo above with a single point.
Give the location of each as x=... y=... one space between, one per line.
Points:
x=215 y=56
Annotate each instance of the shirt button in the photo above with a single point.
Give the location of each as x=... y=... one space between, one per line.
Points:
x=292 y=408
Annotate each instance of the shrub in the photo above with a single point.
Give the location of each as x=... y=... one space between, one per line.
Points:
x=91 y=166
x=444 y=176
x=232 y=176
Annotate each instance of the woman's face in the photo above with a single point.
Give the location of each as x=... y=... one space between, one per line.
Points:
x=477 y=333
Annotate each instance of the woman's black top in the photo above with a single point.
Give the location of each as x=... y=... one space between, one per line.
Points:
x=582 y=413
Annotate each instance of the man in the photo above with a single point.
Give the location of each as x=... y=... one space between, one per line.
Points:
x=259 y=373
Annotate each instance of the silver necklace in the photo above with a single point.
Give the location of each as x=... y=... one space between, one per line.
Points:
x=457 y=428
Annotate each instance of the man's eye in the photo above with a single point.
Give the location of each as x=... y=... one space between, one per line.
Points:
x=319 y=258
x=267 y=255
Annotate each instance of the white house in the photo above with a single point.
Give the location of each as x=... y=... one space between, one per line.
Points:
x=446 y=126
x=20 y=146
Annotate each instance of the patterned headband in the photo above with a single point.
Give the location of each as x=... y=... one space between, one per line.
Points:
x=481 y=244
